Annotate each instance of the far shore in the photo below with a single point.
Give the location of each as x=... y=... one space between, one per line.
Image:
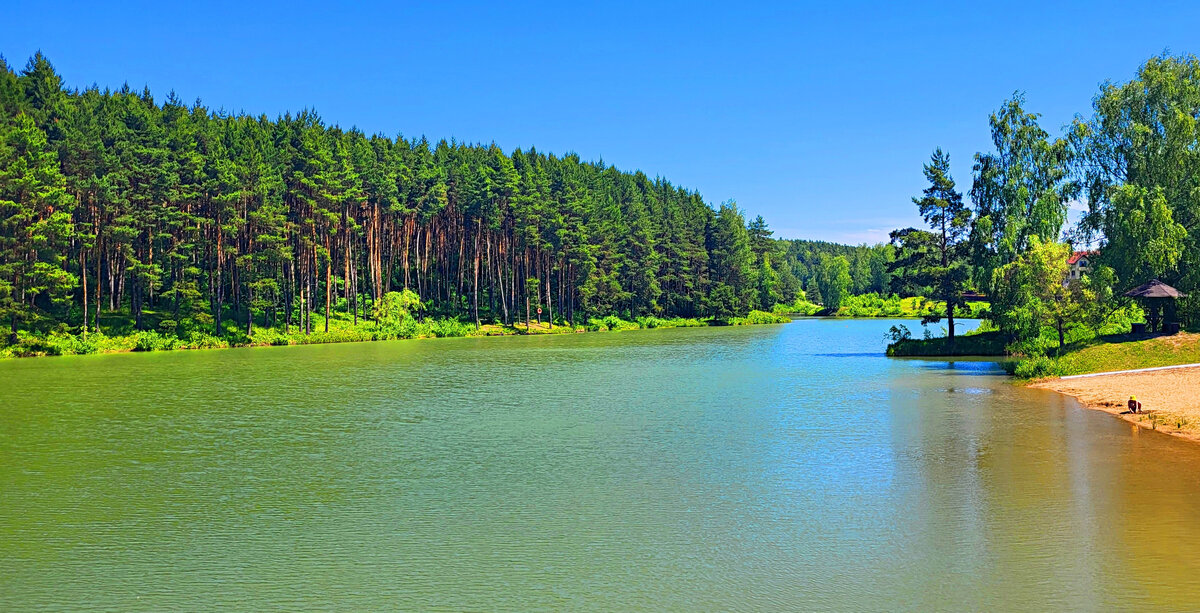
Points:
x=147 y=341
x=1170 y=398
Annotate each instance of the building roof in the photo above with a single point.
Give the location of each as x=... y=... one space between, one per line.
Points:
x=1079 y=254
x=1155 y=289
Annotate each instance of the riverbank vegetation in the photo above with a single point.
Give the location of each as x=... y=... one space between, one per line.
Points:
x=400 y=317
x=881 y=306
x=1134 y=164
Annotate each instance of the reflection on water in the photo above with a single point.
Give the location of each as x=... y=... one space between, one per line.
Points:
x=764 y=468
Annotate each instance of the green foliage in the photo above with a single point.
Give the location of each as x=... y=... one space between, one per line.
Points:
x=987 y=343
x=722 y=302
x=756 y=317
x=1122 y=352
x=1140 y=158
x=898 y=333
x=444 y=328
x=937 y=259
x=833 y=281
x=394 y=307
x=610 y=323
x=153 y=341
x=732 y=260
x=875 y=305
x=799 y=263
x=1033 y=292
x=1020 y=192
x=800 y=307
x=1143 y=239
x=1039 y=367
x=34 y=223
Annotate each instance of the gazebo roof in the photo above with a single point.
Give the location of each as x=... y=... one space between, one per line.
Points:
x=1155 y=289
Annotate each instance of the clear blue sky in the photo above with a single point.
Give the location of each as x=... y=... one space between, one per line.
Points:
x=816 y=116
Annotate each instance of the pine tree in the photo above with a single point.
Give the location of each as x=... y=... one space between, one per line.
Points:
x=938 y=258
x=35 y=223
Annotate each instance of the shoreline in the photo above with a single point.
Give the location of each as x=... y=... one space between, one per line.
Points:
x=1170 y=397
x=128 y=343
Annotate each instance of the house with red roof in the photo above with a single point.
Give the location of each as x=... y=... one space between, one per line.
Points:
x=1080 y=263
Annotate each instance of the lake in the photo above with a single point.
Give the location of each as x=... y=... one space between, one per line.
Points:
x=752 y=468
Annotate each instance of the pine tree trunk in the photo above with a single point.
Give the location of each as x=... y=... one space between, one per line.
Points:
x=83 y=279
x=12 y=335
x=328 y=279
x=950 y=319
x=549 y=295
x=475 y=281
x=99 y=285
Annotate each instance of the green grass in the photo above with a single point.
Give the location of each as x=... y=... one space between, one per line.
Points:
x=1114 y=352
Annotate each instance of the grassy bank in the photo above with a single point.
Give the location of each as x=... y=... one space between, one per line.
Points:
x=1113 y=352
x=63 y=342
x=1085 y=354
x=872 y=306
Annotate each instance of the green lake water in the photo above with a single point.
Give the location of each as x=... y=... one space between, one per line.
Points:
x=759 y=468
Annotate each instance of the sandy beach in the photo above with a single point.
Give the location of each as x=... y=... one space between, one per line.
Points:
x=1170 y=398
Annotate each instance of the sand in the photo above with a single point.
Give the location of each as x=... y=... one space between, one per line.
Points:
x=1170 y=398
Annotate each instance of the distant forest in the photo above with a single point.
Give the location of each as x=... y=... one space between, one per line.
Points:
x=114 y=202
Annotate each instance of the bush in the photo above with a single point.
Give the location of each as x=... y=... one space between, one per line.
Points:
x=982 y=343
x=758 y=317
x=651 y=322
x=1039 y=367
x=153 y=341
x=800 y=307
x=895 y=334
x=686 y=322
x=202 y=340
x=443 y=328
x=395 y=307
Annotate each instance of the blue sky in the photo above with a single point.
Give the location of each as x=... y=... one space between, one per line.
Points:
x=816 y=116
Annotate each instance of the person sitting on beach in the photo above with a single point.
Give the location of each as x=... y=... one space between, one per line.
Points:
x=1134 y=405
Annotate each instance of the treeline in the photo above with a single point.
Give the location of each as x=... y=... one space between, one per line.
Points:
x=832 y=272
x=1134 y=163
x=173 y=212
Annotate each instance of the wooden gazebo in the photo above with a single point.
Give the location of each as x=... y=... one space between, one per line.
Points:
x=1158 y=299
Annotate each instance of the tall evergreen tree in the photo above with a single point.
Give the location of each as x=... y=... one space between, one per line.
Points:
x=937 y=258
x=35 y=223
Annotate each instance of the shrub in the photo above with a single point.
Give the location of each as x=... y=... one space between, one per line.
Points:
x=443 y=328
x=763 y=317
x=895 y=334
x=800 y=307
x=203 y=340
x=394 y=307
x=1039 y=367
x=153 y=341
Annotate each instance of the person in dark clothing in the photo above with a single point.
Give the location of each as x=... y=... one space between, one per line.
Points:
x=1134 y=405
